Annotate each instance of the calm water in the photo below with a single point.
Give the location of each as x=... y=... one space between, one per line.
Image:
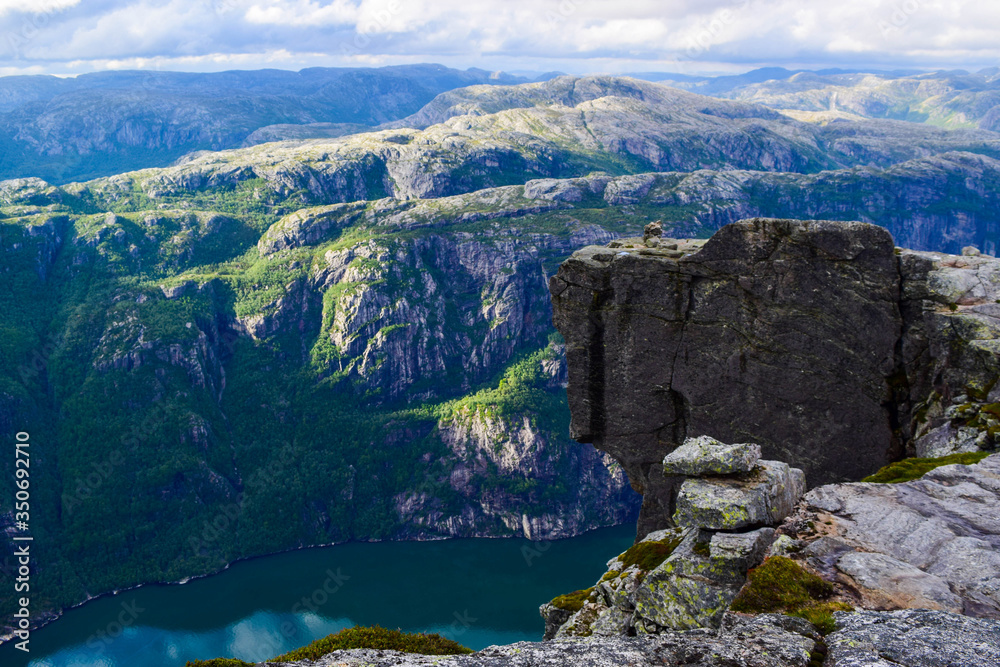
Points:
x=476 y=591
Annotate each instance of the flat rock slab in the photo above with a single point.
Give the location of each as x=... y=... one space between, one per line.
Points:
x=761 y=498
x=945 y=524
x=913 y=638
x=901 y=585
x=705 y=455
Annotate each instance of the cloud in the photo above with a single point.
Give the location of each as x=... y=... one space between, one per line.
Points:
x=35 y=6
x=573 y=35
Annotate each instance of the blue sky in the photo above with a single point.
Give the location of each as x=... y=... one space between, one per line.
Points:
x=574 y=36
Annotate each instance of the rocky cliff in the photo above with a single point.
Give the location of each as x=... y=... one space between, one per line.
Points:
x=819 y=340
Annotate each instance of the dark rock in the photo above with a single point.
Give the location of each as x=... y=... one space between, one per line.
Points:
x=778 y=332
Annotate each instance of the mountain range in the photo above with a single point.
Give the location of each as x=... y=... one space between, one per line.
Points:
x=336 y=338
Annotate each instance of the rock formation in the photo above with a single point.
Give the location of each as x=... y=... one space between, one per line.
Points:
x=818 y=340
x=686 y=577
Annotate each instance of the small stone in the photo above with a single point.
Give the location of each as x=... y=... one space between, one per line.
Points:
x=653 y=229
x=782 y=546
x=970 y=251
x=707 y=456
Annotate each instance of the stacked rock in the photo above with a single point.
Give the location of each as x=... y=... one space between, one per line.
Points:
x=686 y=577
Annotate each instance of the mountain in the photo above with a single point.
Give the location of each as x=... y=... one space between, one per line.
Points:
x=951 y=99
x=108 y=122
x=349 y=338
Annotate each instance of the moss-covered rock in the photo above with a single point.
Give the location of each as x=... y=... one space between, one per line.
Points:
x=910 y=469
x=376 y=638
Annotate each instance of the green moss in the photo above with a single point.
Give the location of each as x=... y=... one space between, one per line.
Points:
x=572 y=601
x=648 y=555
x=375 y=638
x=702 y=549
x=821 y=615
x=608 y=576
x=779 y=584
x=909 y=469
x=218 y=662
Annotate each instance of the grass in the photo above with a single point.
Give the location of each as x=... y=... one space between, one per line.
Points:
x=910 y=469
x=375 y=638
x=648 y=555
x=782 y=585
x=572 y=601
x=218 y=662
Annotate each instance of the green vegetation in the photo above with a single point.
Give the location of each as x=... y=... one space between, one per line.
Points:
x=376 y=638
x=218 y=662
x=782 y=585
x=910 y=469
x=572 y=601
x=648 y=555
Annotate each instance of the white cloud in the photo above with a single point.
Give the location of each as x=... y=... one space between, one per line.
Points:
x=35 y=6
x=548 y=34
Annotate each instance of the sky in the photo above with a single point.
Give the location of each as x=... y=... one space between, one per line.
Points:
x=69 y=37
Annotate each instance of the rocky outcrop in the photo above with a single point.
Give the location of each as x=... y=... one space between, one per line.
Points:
x=686 y=577
x=864 y=639
x=814 y=339
x=930 y=543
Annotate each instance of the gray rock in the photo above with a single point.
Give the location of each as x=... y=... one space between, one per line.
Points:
x=761 y=498
x=944 y=524
x=554 y=618
x=945 y=440
x=897 y=583
x=761 y=642
x=707 y=456
x=694 y=590
x=612 y=623
x=913 y=638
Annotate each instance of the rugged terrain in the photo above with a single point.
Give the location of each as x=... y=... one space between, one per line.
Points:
x=313 y=341
x=65 y=129
x=865 y=574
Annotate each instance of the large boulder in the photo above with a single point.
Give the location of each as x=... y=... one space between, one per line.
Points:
x=818 y=340
x=777 y=332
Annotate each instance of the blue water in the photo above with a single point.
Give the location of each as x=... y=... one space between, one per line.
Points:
x=476 y=591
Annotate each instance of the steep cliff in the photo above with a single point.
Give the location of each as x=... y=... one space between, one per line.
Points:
x=817 y=340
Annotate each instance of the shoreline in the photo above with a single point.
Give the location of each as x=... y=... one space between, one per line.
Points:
x=52 y=616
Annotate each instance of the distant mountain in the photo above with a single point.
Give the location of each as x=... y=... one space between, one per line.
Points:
x=109 y=122
x=951 y=99
x=349 y=338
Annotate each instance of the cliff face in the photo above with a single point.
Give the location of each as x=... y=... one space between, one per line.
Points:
x=814 y=339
